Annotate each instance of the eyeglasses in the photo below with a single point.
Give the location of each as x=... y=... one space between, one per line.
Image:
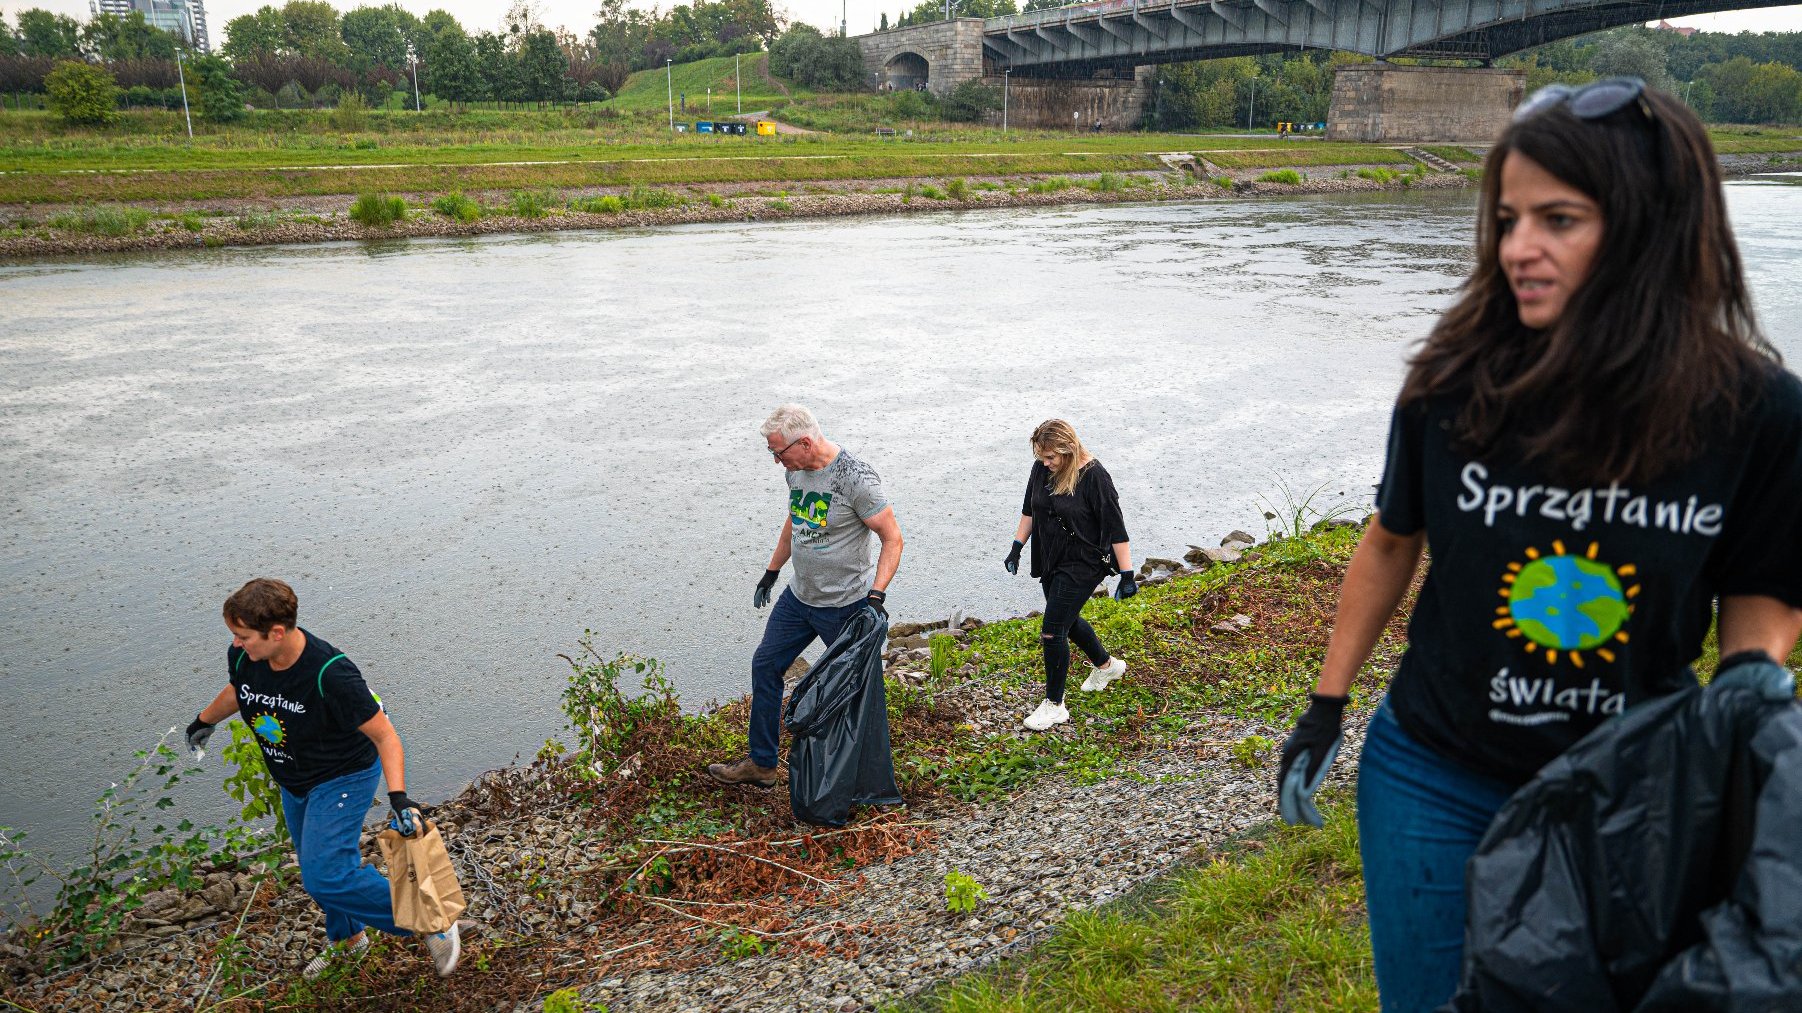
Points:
x=1589 y=102
x=777 y=454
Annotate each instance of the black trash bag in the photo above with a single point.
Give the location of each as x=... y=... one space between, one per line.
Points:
x=1656 y=865
x=839 y=756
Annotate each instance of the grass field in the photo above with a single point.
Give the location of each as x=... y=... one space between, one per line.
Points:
x=649 y=89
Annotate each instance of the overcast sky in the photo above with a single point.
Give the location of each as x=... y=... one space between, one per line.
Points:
x=578 y=15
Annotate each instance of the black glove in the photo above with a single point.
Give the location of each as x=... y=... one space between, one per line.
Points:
x=876 y=600
x=761 y=596
x=198 y=734
x=1012 y=562
x=1314 y=742
x=1128 y=586
x=407 y=818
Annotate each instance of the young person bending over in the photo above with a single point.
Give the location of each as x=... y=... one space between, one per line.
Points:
x=327 y=741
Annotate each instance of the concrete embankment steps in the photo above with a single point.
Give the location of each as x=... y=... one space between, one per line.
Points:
x=1434 y=161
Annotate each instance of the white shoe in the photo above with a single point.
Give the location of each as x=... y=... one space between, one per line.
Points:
x=446 y=947
x=1100 y=677
x=332 y=953
x=1047 y=715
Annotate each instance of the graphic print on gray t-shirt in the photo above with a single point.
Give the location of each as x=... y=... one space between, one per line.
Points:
x=829 y=541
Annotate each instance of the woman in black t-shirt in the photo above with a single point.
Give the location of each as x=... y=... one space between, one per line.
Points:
x=1072 y=515
x=1597 y=446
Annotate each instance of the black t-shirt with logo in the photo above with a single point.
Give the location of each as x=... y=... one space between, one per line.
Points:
x=1091 y=510
x=1548 y=607
x=306 y=717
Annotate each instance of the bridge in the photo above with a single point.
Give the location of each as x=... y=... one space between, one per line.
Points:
x=1097 y=48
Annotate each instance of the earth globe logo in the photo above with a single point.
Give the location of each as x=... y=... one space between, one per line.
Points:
x=1566 y=605
x=269 y=728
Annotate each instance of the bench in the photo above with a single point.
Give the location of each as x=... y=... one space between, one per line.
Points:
x=885 y=131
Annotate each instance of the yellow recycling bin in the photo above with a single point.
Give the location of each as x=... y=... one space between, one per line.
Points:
x=765 y=128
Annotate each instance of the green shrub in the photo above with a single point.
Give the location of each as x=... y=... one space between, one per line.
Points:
x=1107 y=182
x=192 y=222
x=102 y=221
x=352 y=112
x=1052 y=185
x=644 y=198
x=610 y=205
x=715 y=200
x=529 y=203
x=250 y=221
x=1288 y=176
x=1378 y=174
x=931 y=192
x=80 y=92
x=781 y=205
x=457 y=207
x=378 y=210
x=909 y=191
x=1223 y=182
x=957 y=189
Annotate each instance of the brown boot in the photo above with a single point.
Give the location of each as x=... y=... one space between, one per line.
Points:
x=745 y=771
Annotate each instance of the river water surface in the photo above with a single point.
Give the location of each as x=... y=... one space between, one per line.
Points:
x=464 y=453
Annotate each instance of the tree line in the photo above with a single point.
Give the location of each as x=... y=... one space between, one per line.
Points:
x=306 y=53
x=1744 y=78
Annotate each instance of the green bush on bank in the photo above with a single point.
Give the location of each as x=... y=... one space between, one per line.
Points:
x=457 y=207
x=378 y=210
x=1285 y=176
x=102 y=221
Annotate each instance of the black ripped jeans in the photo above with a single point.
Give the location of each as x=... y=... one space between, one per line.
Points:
x=1063 y=622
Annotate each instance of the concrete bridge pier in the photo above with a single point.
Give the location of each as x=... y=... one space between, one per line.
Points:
x=1388 y=103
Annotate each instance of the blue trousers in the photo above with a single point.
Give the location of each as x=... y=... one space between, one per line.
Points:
x=1420 y=817
x=327 y=827
x=793 y=625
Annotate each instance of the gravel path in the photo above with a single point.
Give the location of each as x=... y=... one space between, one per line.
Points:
x=1045 y=852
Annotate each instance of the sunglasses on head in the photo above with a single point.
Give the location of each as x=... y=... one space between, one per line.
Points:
x=1587 y=102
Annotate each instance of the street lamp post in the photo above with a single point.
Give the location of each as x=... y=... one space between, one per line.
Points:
x=182 y=79
x=669 y=89
x=1252 y=113
x=413 y=62
x=740 y=85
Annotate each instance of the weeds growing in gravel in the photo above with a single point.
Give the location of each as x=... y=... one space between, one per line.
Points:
x=457 y=207
x=378 y=210
x=1276 y=925
x=102 y=221
x=1287 y=176
x=530 y=203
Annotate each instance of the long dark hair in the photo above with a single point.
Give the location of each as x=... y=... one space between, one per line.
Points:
x=1654 y=350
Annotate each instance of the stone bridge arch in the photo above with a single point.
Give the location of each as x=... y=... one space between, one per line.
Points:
x=943 y=55
x=906 y=71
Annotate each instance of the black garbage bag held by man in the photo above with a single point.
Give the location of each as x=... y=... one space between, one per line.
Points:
x=838 y=716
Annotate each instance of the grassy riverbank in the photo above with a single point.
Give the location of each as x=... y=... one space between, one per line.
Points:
x=613 y=857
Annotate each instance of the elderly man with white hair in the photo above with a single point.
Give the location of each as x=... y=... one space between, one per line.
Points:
x=835 y=505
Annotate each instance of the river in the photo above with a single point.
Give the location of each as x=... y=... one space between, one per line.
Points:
x=464 y=453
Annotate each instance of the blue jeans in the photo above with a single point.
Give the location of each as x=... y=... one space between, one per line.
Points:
x=1420 y=817
x=327 y=827
x=793 y=625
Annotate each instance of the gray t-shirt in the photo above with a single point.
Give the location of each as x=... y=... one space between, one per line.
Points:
x=829 y=542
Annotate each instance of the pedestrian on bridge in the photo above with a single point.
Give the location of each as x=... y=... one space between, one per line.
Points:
x=1598 y=445
x=1072 y=517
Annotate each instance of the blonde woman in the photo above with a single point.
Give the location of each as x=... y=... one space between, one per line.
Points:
x=1072 y=516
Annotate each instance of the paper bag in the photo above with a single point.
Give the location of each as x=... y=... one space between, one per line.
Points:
x=424 y=888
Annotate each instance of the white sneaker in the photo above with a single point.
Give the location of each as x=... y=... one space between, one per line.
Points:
x=1047 y=715
x=332 y=953
x=446 y=947
x=1100 y=677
